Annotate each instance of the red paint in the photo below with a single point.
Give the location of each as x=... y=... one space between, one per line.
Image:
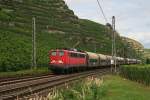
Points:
x=69 y=58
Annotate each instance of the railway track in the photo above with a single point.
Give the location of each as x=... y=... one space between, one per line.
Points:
x=23 y=77
x=17 y=80
x=19 y=88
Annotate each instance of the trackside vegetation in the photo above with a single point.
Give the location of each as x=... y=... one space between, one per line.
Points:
x=139 y=73
x=25 y=73
x=106 y=88
x=89 y=89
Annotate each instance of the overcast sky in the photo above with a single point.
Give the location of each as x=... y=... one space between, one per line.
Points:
x=132 y=16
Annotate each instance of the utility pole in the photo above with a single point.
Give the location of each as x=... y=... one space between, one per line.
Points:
x=114 y=43
x=110 y=30
x=112 y=53
x=34 y=43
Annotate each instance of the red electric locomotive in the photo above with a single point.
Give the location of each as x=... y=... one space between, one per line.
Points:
x=64 y=59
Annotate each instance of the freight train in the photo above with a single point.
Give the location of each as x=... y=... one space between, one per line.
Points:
x=70 y=60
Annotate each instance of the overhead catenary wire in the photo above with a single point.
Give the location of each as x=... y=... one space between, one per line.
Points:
x=105 y=18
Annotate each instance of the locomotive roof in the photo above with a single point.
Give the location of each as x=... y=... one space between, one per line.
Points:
x=70 y=49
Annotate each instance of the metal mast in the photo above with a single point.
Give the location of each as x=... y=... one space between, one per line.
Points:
x=114 y=42
x=34 y=44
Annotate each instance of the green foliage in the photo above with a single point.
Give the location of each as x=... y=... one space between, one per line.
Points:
x=14 y=54
x=84 y=90
x=139 y=73
x=147 y=61
x=6 y=15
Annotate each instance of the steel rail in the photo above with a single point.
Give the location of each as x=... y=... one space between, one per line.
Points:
x=44 y=93
x=13 y=81
x=29 y=87
x=7 y=79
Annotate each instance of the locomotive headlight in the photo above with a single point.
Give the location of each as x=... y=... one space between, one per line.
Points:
x=53 y=61
x=60 y=61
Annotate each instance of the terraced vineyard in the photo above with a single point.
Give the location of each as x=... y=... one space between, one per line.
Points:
x=57 y=27
x=147 y=55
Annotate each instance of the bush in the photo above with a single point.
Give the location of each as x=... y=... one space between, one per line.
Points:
x=147 y=61
x=139 y=73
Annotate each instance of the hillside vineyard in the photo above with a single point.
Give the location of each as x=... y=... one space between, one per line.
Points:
x=56 y=26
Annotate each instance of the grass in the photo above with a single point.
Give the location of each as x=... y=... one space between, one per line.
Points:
x=122 y=89
x=32 y=72
x=107 y=88
x=89 y=89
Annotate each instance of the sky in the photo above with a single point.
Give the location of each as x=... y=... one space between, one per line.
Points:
x=132 y=16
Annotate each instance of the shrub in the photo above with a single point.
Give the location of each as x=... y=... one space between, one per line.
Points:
x=139 y=73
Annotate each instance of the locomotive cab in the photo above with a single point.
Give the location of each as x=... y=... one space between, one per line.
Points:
x=61 y=59
x=57 y=58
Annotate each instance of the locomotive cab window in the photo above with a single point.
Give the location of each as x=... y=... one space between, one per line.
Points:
x=74 y=55
x=81 y=55
x=61 y=53
x=53 y=53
